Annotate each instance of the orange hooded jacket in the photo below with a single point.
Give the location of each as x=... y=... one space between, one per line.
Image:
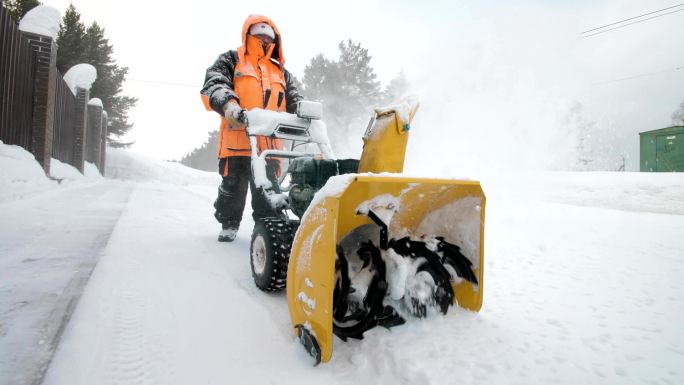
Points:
x=256 y=79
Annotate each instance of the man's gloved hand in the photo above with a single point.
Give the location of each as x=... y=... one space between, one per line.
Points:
x=232 y=111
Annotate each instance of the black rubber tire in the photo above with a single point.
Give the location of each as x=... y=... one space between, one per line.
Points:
x=269 y=253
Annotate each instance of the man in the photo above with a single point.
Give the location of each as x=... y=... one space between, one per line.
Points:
x=254 y=76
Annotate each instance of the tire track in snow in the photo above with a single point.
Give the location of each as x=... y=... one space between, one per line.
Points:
x=126 y=361
x=57 y=236
x=139 y=352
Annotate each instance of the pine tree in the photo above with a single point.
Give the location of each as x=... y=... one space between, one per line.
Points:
x=348 y=90
x=358 y=77
x=203 y=157
x=70 y=49
x=316 y=76
x=76 y=45
x=19 y=8
x=397 y=88
x=108 y=86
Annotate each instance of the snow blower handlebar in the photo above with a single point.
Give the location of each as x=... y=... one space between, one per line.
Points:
x=303 y=127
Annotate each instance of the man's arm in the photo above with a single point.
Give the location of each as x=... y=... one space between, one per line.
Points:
x=292 y=95
x=218 y=83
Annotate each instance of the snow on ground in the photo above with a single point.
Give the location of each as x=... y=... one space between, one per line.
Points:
x=20 y=174
x=22 y=177
x=51 y=231
x=582 y=285
x=125 y=165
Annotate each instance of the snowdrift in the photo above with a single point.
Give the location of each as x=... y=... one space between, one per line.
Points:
x=125 y=165
x=21 y=176
x=626 y=191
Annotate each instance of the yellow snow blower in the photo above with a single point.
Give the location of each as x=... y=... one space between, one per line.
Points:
x=373 y=246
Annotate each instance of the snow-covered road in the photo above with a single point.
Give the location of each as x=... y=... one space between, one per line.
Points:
x=49 y=245
x=580 y=287
x=572 y=295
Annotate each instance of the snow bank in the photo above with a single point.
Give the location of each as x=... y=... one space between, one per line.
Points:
x=627 y=191
x=63 y=171
x=91 y=172
x=66 y=172
x=42 y=20
x=80 y=76
x=122 y=164
x=20 y=174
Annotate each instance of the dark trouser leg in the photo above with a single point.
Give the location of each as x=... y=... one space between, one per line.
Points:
x=233 y=190
x=260 y=204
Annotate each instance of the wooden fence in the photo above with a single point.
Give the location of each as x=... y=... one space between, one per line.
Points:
x=17 y=73
x=38 y=111
x=64 y=123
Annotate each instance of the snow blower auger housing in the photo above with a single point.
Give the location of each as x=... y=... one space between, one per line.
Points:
x=373 y=247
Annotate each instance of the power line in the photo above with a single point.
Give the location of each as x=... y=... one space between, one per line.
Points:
x=632 y=18
x=164 y=83
x=640 y=75
x=634 y=22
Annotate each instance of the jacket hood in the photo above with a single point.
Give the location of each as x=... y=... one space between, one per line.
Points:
x=277 y=50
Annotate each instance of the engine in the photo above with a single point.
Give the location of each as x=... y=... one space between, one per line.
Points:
x=308 y=175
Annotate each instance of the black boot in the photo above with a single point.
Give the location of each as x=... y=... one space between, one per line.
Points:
x=227 y=233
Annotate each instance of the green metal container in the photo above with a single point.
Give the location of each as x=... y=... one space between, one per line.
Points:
x=662 y=150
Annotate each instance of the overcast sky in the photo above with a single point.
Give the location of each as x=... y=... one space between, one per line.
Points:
x=495 y=78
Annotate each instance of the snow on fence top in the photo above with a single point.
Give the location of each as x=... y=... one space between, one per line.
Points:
x=42 y=20
x=96 y=102
x=80 y=76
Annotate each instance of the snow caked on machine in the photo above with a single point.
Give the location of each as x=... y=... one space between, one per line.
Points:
x=356 y=243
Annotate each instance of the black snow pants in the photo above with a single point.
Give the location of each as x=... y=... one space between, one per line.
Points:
x=232 y=193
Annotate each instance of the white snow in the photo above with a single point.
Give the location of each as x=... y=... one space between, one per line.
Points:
x=335 y=186
x=62 y=171
x=66 y=172
x=20 y=174
x=308 y=282
x=95 y=102
x=384 y=206
x=125 y=165
x=319 y=134
x=582 y=285
x=42 y=20
x=403 y=108
x=90 y=171
x=459 y=223
x=264 y=122
x=397 y=274
x=80 y=76
x=259 y=170
x=309 y=302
